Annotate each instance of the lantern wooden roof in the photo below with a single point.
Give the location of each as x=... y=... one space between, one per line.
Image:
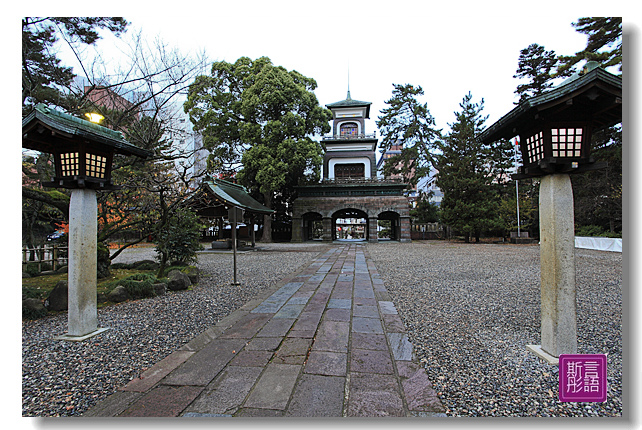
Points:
x=595 y=97
x=44 y=129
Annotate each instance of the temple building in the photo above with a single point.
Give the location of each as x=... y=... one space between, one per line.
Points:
x=351 y=202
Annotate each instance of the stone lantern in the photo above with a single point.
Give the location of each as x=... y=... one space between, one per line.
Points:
x=83 y=153
x=555 y=131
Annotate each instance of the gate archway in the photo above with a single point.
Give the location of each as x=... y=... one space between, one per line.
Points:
x=350 y=224
x=389 y=226
x=312 y=226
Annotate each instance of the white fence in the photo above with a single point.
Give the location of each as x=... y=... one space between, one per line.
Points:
x=599 y=243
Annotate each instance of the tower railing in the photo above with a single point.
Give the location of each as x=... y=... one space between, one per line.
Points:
x=350 y=136
x=330 y=181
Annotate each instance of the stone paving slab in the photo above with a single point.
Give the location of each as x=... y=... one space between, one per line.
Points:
x=327 y=363
x=163 y=401
x=317 y=396
x=154 y=374
x=274 y=388
x=227 y=391
x=373 y=395
x=204 y=365
x=326 y=341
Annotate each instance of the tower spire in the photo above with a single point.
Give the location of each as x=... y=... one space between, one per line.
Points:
x=348 y=96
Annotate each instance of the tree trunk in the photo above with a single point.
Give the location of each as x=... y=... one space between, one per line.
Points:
x=267 y=219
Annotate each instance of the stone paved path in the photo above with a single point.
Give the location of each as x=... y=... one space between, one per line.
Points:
x=327 y=342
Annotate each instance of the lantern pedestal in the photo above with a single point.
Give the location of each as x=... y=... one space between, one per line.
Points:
x=557 y=260
x=82 y=279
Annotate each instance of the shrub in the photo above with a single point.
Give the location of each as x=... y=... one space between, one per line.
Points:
x=178 y=240
x=33 y=312
x=32 y=269
x=145 y=265
x=138 y=286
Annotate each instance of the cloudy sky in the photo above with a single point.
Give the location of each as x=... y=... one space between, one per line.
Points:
x=447 y=50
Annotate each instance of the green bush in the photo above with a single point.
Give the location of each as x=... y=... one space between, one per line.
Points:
x=32 y=314
x=145 y=265
x=32 y=269
x=29 y=314
x=138 y=286
x=178 y=240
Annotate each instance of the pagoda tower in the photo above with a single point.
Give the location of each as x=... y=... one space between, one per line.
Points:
x=350 y=152
x=351 y=200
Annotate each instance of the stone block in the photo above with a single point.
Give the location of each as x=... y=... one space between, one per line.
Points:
x=163 y=401
x=273 y=389
x=370 y=361
x=317 y=396
x=326 y=363
x=226 y=393
x=373 y=395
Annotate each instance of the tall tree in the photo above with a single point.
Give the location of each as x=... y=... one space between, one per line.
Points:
x=44 y=78
x=139 y=97
x=467 y=173
x=408 y=123
x=598 y=195
x=604 y=43
x=258 y=119
x=537 y=65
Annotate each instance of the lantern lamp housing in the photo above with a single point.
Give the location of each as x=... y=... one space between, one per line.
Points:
x=555 y=128
x=83 y=151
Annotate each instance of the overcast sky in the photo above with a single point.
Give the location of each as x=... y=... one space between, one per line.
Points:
x=447 y=50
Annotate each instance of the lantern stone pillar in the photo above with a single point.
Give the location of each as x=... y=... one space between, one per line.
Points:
x=557 y=261
x=82 y=315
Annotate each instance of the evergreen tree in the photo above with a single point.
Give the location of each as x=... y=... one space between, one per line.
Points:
x=44 y=79
x=467 y=173
x=535 y=64
x=425 y=211
x=604 y=43
x=408 y=123
x=598 y=194
x=258 y=119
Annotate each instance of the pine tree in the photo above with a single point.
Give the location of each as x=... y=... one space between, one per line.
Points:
x=466 y=174
x=535 y=64
x=604 y=43
x=408 y=123
x=598 y=194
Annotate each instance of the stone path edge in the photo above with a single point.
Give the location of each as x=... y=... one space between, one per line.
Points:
x=119 y=401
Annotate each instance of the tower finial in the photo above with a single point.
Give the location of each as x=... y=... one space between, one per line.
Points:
x=348 y=96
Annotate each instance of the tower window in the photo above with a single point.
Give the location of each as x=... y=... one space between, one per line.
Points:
x=356 y=170
x=349 y=129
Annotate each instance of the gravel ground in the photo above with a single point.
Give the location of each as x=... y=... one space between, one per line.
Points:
x=470 y=310
x=66 y=378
